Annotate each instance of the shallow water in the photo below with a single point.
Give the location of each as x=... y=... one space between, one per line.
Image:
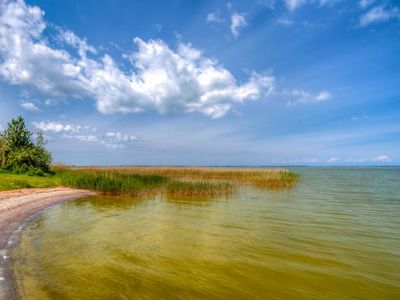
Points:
x=336 y=235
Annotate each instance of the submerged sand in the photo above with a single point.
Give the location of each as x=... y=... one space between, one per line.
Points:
x=17 y=205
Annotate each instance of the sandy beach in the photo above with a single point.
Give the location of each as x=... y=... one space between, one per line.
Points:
x=17 y=205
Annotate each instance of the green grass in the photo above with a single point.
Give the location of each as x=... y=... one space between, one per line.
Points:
x=14 y=181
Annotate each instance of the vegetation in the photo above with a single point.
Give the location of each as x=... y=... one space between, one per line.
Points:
x=184 y=182
x=258 y=177
x=9 y=181
x=114 y=182
x=19 y=154
x=174 y=181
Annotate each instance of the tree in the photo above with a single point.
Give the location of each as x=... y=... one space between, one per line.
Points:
x=17 y=151
x=16 y=136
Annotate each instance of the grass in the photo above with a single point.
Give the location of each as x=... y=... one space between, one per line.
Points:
x=172 y=181
x=14 y=181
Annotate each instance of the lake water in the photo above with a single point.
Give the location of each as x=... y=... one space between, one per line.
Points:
x=335 y=235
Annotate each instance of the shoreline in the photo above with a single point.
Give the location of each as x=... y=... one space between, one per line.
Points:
x=18 y=205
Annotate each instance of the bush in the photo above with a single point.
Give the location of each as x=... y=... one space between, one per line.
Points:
x=19 y=154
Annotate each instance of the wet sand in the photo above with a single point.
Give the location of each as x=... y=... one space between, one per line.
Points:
x=17 y=205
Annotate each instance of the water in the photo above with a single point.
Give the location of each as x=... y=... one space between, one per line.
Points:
x=336 y=235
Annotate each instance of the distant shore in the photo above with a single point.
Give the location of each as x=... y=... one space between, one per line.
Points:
x=17 y=205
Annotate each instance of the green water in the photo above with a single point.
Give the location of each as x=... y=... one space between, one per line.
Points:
x=336 y=235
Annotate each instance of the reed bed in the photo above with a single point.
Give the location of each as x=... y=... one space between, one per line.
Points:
x=173 y=181
x=114 y=182
x=258 y=177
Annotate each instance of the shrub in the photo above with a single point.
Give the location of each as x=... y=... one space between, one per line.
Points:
x=19 y=154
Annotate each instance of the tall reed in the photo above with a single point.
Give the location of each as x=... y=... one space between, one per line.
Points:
x=173 y=181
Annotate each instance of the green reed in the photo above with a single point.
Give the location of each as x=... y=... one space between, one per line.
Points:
x=173 y=181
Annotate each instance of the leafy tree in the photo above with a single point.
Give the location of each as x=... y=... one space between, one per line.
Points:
x=17 y=151
x=16 y=136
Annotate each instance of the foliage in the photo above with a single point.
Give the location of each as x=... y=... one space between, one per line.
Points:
x=19 y=154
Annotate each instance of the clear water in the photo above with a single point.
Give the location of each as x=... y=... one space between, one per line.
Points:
x=336 y=235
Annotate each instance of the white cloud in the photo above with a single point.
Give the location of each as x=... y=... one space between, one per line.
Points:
x=238 y=21
x=356 y=160
x=29 y=106
x=322 y=96
x=214 y=17
x=160 y=78
x=379 y=14
x=293 y=4
x=382 y=158
x=73 y=40
x=290 y=22
x=365 y=3
x=305 y=97
x=333 y=160
x=81 y=137
x=87 y=134
x=112 y=140
x=56 y=127
x=120 y=137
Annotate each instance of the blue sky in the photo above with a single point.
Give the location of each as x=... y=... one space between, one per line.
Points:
x=263 y=82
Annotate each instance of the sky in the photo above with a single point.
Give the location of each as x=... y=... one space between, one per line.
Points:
x=205 y=82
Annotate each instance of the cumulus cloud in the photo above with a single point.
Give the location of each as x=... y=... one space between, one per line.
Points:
x=29 y=106
x=305 y=97
x=56 y=127
x=87 y=134
x=160 y=78
x=379 y=14
x=238 y=21
x=382 y=158
x=73 y=40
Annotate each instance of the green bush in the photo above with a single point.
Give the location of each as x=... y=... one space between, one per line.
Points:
x=19 y=154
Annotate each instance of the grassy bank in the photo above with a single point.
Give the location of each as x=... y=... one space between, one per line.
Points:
x=146 y=180
x=17 y=181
